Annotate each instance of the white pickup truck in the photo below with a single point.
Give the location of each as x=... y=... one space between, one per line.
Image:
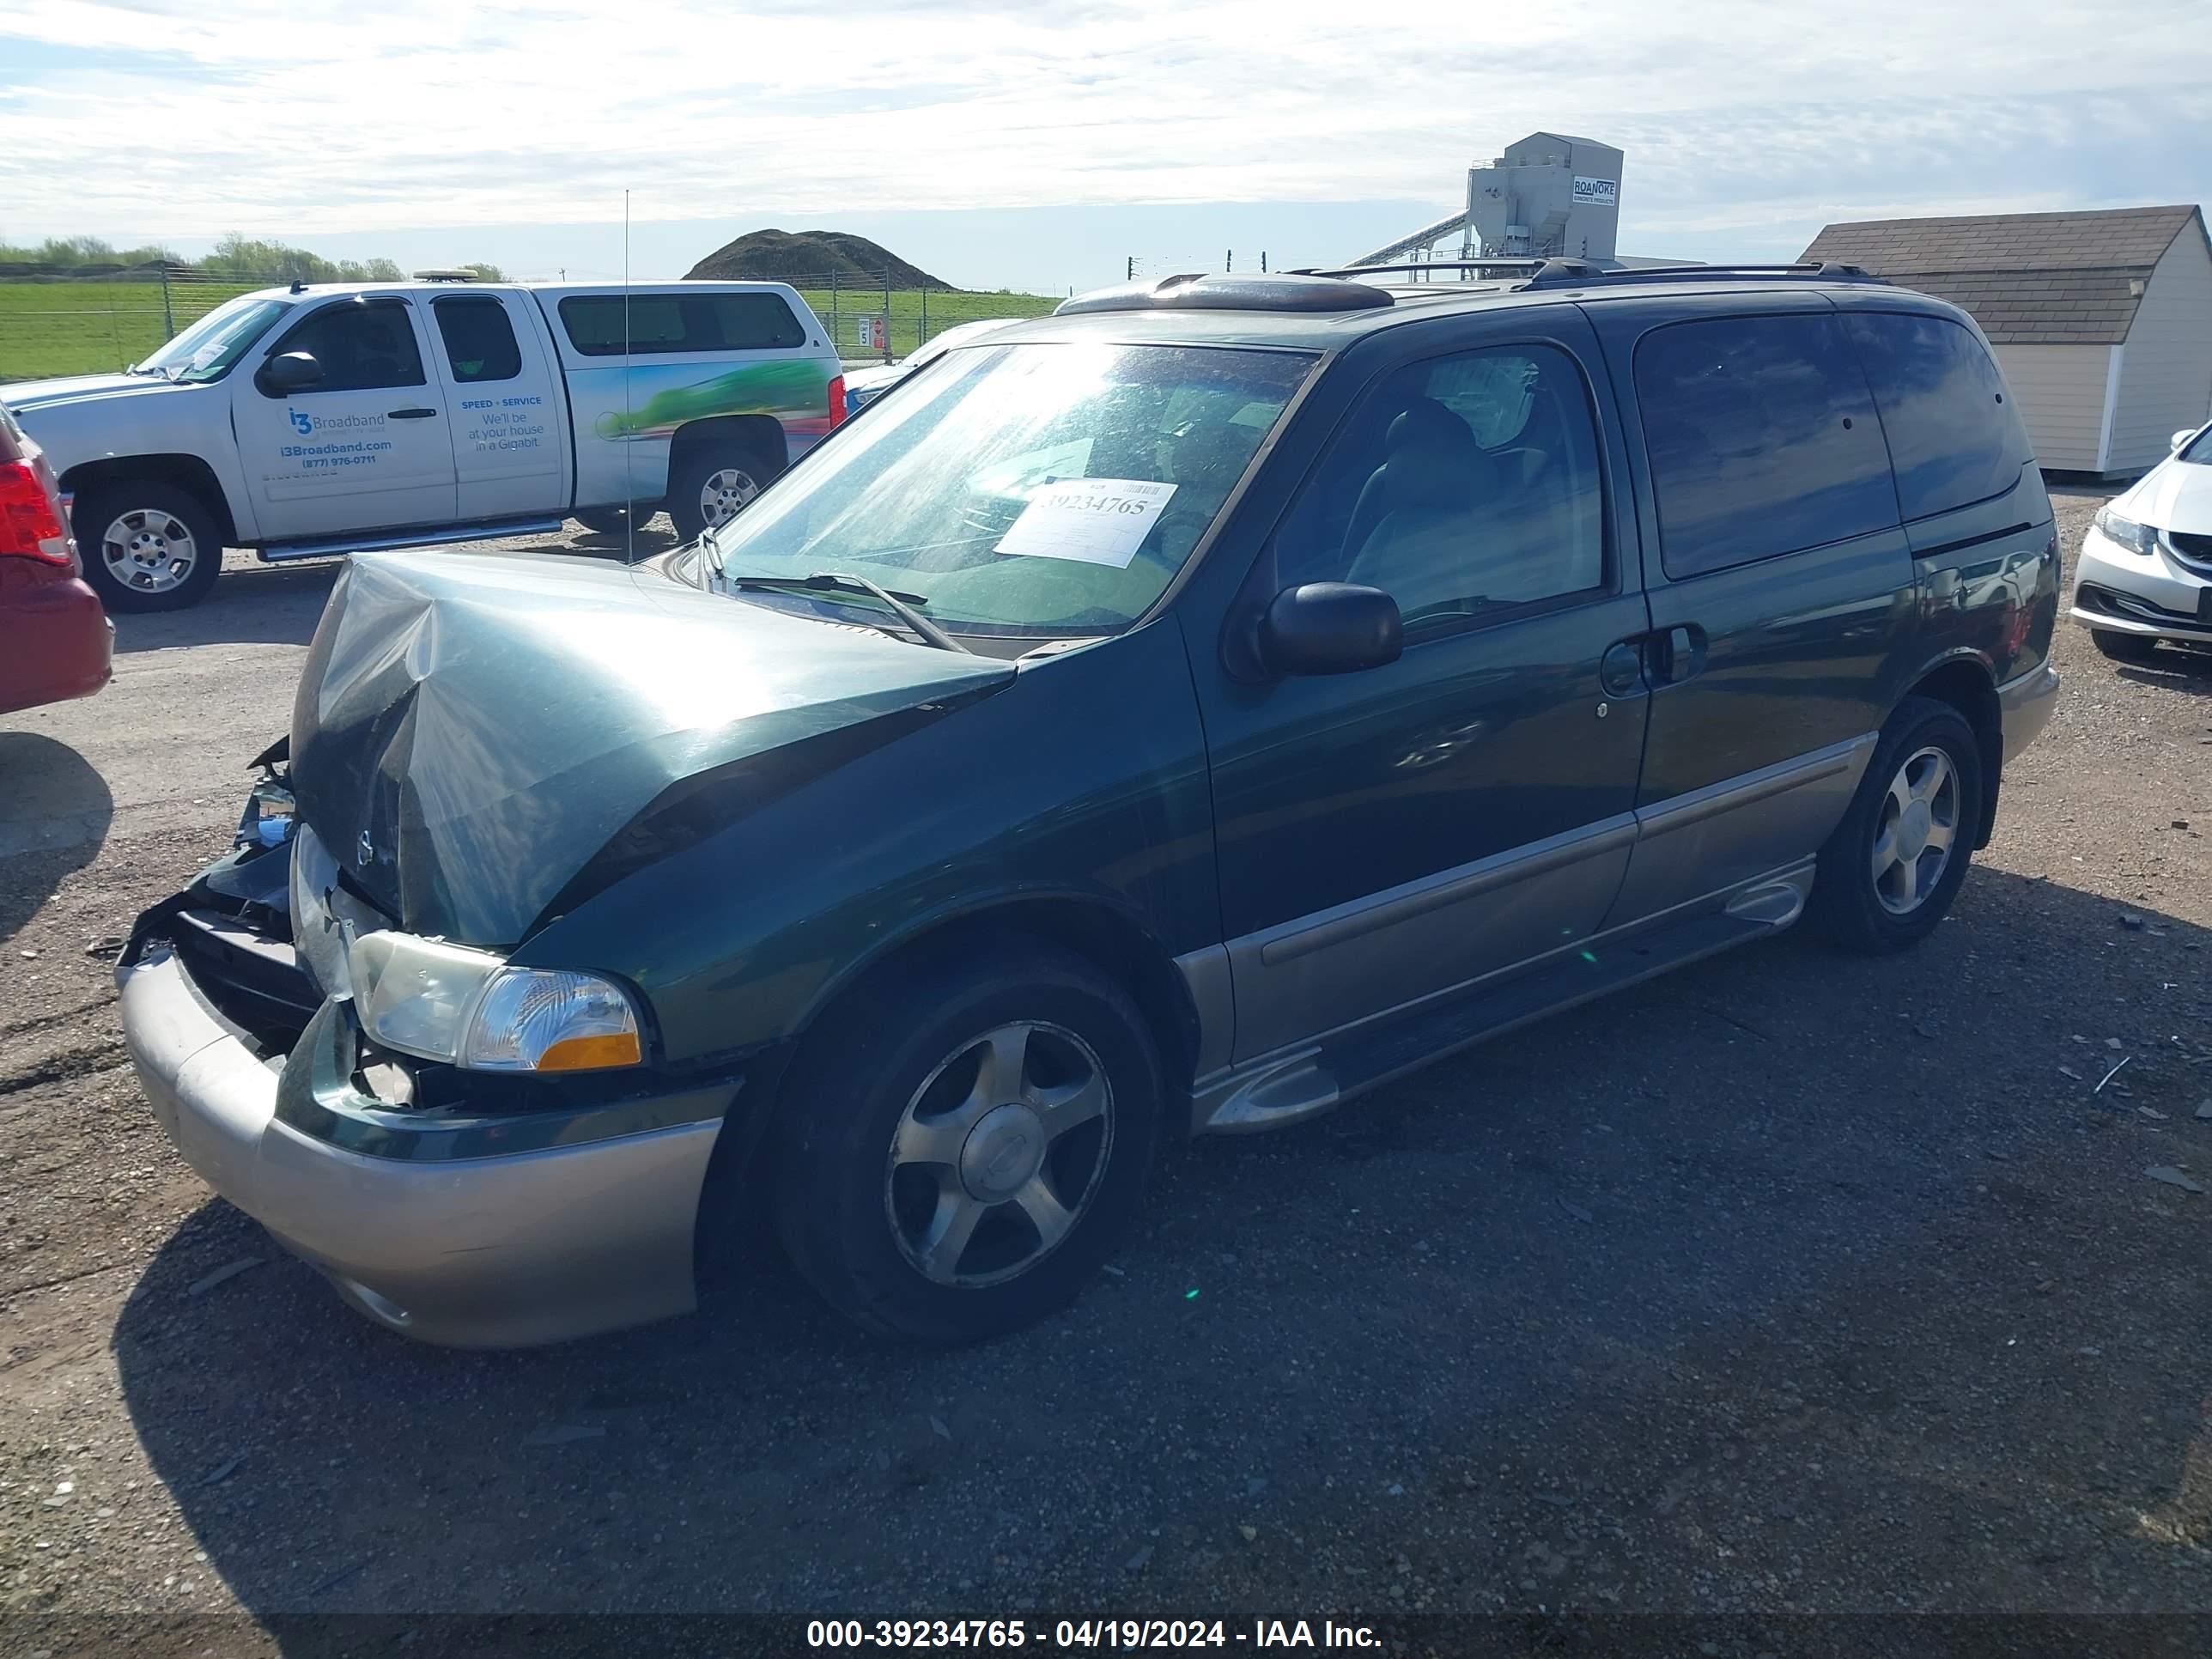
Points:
x=304 y=421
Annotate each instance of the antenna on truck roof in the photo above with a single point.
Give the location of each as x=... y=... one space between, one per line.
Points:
x=630 y=486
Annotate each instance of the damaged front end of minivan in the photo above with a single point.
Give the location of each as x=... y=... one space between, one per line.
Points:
x=349 y=1025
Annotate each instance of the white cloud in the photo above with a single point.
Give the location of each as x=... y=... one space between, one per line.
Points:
x=181 y=120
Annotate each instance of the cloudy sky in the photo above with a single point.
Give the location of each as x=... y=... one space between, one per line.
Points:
x=1034 y=144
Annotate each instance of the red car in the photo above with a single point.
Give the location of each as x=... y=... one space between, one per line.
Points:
x=55 y=640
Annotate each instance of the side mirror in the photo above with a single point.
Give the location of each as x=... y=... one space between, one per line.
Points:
x=295 y=371
x=2182 y=437
x=1330 y=627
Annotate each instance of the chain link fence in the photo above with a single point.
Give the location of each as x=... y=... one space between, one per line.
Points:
x=93 y=324
x=54 y=324
x=854 y=308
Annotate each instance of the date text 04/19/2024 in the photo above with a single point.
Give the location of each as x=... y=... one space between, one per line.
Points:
x=1086 y=1633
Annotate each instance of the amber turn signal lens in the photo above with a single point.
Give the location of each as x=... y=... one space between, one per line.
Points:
x=586 y=1053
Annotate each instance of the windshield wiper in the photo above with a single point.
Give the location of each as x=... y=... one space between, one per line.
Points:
x=829 y=581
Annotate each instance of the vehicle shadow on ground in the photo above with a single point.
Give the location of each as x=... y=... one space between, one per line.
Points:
x=2176 y=668
x=1786 y=1256
x=249 y=605
x=54 y=814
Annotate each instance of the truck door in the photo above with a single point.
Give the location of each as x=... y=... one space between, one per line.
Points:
x=509 y=449
x=364 y=447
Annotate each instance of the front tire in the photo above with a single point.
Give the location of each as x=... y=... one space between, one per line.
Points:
x=710 y=484
x=2137 y=648
x=147 y=546
x=958 y=1161
x=1889 y=872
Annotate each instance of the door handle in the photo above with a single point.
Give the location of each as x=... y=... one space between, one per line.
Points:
x=412 y=414
x=1677 y=654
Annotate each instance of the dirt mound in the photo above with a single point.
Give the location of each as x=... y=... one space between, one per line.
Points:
x=791 y=256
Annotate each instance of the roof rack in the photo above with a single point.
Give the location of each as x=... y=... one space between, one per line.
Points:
x=1808 y=270
x=1577 y=273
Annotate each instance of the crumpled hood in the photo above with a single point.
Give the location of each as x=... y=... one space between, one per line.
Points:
x=2175 y=495
x=471 y=730
x=28 y=397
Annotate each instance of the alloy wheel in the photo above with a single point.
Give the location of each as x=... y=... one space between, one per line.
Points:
x=149 y=551
x=725 y=490
x=1915 y=831
x=999 y=1153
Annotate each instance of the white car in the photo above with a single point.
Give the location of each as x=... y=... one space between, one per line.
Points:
x=864 y=386
x=2145 y=573
x=307 y=421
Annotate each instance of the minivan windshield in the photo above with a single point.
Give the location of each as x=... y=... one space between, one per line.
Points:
x=207 y=350
x=1049 y=489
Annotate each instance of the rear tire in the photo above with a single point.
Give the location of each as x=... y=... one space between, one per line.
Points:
x=962 y=1157
x=147 y=546
x=2137 y=648
x=1891 y=870
x=710 y=481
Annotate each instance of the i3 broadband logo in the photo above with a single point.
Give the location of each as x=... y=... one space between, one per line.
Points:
x=308 y=425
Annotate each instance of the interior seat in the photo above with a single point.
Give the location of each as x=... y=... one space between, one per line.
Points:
x=1416 y=517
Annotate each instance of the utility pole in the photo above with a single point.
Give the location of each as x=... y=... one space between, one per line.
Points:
x=1229 y=260
x=1131 y=274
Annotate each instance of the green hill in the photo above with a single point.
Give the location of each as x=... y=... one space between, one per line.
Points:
x=787 y=255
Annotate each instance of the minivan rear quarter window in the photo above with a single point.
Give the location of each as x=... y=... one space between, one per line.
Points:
x=1954 y=437
x=662 y=322
x=1762 y=438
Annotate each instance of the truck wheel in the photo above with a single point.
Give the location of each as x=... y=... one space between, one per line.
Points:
x=963 y=1157
x=147 y=546
x=709 y=482
x=1894 y=864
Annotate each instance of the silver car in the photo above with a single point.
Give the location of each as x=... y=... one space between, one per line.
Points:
x=864 y=386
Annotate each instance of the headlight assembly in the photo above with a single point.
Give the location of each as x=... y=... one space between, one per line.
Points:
x=2136 y=537
x=470 y=1009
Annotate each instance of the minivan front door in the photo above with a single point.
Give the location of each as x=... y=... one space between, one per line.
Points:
x=364 y=447
x=1388 y=835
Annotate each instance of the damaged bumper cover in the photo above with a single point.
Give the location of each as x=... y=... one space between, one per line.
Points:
x=473 y=1230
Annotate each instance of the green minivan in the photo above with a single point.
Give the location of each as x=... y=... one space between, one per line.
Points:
x=1180 y=714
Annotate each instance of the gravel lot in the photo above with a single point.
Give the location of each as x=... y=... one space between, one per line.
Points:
x=1788 y=1284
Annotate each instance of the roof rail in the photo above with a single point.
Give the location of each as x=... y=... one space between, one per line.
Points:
x=1517 y=263
x=1556 y=273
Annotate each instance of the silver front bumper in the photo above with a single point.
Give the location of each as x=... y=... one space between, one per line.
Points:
x=2158 y=579
x=496 y=1251
x=2024 y=706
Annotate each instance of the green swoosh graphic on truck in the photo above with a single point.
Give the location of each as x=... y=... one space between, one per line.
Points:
x=783 y=388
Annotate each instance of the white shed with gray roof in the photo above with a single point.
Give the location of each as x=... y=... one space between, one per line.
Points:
x=2102 y=321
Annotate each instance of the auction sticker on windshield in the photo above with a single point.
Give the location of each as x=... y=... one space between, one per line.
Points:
x=1090 y=521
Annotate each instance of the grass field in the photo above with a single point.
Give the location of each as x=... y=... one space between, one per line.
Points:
x=80 y=328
